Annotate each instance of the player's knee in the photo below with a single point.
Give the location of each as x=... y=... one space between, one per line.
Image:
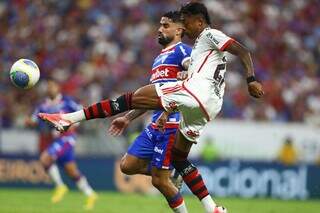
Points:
x=178 y=158
x=126 y=168
x=160 y=183
x=45 y=159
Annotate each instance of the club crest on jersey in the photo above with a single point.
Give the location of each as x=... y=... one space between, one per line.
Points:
x=193 y=134
x=173 y=106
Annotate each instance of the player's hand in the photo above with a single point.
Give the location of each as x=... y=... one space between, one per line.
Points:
x=255 y=89
x=182 y=75
x=162 y=120
x=118 y=125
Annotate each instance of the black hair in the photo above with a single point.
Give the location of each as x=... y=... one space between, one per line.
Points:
x=196 y=8
x=175 y=16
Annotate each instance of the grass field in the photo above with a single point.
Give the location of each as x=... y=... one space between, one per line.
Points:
x=26 y=200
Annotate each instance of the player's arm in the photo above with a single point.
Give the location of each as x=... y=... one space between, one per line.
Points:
x=119 y=124
x=186 y=63
x=162 y=120
x=254 y=87
x=29 y=122
x=184 y=57
x=32 y=121
x=133 y=114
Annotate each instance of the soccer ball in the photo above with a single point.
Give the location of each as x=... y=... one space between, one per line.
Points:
x=24 y=73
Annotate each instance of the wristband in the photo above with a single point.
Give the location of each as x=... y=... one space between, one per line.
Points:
x=251 y=79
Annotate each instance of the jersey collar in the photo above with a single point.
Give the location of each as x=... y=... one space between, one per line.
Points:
x=203 y=31
x=171 y=47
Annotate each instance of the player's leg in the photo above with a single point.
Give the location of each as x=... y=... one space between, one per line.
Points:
x=190 y=173
x=67 y=160
x=161 y=168
x=144 y=98
x=193 y=119
x=47 y=159
x=139 y=154
x=73 y=172
x=161 y=180
x=131 y=165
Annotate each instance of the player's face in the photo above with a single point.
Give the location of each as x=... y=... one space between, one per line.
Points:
x=191 y=24
x=53 y=89
x=167 y=31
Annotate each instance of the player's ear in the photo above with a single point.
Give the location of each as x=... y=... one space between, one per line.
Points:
x=200 y=21
x=179 y=31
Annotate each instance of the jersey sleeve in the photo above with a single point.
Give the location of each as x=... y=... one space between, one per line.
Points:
x=218 y=40
x=34 y=116
x=184 y=52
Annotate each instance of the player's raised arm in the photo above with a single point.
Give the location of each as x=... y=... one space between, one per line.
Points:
x=254 y=87
x=119 y=124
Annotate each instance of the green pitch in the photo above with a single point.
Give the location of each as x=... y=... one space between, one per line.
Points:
x=33 y=201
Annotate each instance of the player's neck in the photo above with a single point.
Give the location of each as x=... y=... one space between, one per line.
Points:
x=56 y=97
x=171 y=44
x=202 y=28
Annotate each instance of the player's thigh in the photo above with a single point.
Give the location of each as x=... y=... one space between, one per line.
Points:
x=163 y=144
x=182 y=143
x=46 y=159
x=141 y=149
x=65 y=154
x=146 y=97
x=71 y=169
x=133 y=163
x=174 y=98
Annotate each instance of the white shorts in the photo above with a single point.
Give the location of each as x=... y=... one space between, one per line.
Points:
x=175 y=97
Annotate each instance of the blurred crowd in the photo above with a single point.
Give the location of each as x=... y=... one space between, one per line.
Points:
x=98 y=48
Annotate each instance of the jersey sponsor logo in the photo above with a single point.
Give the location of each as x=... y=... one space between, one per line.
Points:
x=188 y=170
x=160 y=73
x=115 y=106
x=211 y=37
x=157 y=150
x=164 y=72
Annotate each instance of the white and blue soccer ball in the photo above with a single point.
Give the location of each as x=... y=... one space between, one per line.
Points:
x=24 y=73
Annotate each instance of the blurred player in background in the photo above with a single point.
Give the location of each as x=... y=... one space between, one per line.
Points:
x=150 y=153
x=61 y=147
x=199 y=98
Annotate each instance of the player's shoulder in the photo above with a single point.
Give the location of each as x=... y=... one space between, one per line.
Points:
x=183 y=48
x=214 y=35
x=182 y=44
x=213 y=31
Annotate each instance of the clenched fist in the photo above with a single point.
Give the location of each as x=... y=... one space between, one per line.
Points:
x=255 y=89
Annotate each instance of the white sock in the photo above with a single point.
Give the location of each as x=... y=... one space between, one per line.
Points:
x=181 y=208
x=208 y=204
x=54 y=173
x=75 y=117
x=84 y=186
